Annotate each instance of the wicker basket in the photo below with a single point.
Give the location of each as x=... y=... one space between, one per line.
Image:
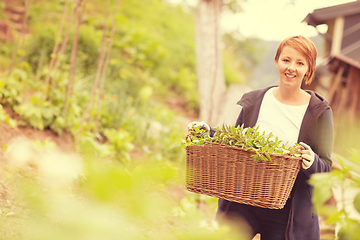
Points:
x=230 y=173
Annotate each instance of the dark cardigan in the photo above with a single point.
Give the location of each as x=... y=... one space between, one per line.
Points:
x=316 y=131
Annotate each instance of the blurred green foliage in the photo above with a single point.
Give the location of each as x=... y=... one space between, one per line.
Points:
x=101 y=199
x=344 y=184
x=131 y=183
x=152 y=56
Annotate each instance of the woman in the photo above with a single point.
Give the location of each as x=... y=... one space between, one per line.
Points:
x=293 y=115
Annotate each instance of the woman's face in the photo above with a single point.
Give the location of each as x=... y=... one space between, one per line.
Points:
x=292 y=66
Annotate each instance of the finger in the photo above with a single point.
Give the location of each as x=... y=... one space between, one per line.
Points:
x=193 y=125
x=305 y=166
x=307 y=147
x=306 y=162
x=306 y=156
x=305 y=152
x=205 y=125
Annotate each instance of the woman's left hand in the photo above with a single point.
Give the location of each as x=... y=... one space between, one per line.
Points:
x=308 y=156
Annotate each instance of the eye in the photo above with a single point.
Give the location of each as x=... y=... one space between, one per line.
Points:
x=285 y=60
x=301 y=63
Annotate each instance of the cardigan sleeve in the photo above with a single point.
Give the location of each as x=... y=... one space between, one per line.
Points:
x=323 y=145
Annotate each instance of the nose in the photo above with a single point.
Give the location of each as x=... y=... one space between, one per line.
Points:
x=291 y=67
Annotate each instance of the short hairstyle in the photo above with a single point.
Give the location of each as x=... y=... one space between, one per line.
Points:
x=306 y=47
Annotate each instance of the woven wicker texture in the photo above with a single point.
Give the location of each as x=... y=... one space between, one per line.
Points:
x=230 y=173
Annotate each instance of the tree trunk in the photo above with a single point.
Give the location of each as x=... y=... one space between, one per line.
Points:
x=211 y=82
x=13 y=57
x=103 y=74
x=20 y=42
x=72 y=62
x=24 y=24
x=95 y=87
x=54 y=55
x=59 y=54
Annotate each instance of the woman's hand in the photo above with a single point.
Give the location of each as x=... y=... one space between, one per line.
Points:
x=308 y=156
x=202 y=126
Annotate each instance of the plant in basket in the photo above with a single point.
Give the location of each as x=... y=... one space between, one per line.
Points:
x=248 y=138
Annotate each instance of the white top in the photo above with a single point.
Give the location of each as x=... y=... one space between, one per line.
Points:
x=284 y=121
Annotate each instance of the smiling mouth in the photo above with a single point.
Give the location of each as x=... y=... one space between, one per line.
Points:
x=290 y=75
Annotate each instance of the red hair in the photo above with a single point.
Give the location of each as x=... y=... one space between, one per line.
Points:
x=306 y=47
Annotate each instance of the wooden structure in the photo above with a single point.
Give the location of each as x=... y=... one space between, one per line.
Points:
x=15 y=14
x=338 y=75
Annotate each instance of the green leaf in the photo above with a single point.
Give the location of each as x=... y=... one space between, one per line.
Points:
x=10 y=214
x=2 y=84
x=263 y=158
x=334 y=217
x=258 y=145
x=357 y=203
x=323 y=184
x=12 y=123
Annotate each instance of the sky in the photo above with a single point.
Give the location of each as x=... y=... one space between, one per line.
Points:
x=272 y=20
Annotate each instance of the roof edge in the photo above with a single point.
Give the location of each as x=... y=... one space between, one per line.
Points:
x=321 y=15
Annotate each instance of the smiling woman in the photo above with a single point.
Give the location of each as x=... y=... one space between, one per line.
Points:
x=294 y=116
x=295 y=60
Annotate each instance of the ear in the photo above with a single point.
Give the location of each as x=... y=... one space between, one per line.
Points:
x=306 y=76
